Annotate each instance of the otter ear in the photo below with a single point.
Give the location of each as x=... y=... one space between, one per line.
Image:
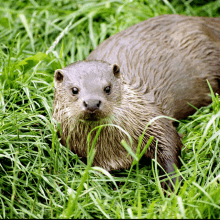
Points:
x=58 y=76
x=116 y=70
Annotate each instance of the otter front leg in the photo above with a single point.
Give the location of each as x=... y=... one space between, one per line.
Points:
x=167 y=150
x=167 y=167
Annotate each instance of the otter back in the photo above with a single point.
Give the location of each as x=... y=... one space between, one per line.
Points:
x=173 y=55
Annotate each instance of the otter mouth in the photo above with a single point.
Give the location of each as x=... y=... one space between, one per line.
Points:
x=91 y=117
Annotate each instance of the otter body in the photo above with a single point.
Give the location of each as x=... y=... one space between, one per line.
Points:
x=162 y=65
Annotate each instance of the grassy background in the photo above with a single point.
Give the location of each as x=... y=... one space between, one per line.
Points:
x=39 y=178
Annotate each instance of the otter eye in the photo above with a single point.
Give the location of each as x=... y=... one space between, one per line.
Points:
x=75 y=91
x=107 y=90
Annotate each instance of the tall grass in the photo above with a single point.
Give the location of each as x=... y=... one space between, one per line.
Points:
x=39 y=178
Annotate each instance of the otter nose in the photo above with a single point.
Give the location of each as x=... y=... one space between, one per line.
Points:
x=92 y=104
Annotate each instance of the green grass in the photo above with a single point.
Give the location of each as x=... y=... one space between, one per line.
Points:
x=39 y=178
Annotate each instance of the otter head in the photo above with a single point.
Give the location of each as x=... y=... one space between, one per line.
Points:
x=89 y=89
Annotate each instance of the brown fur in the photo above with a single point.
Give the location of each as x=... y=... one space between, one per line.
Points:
x=164 y=63
x=173 y=55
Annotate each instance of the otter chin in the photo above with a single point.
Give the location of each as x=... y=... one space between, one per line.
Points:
x=92 y=117
x=154 y=68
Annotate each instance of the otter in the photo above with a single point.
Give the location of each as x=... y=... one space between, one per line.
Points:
x=154 y=68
